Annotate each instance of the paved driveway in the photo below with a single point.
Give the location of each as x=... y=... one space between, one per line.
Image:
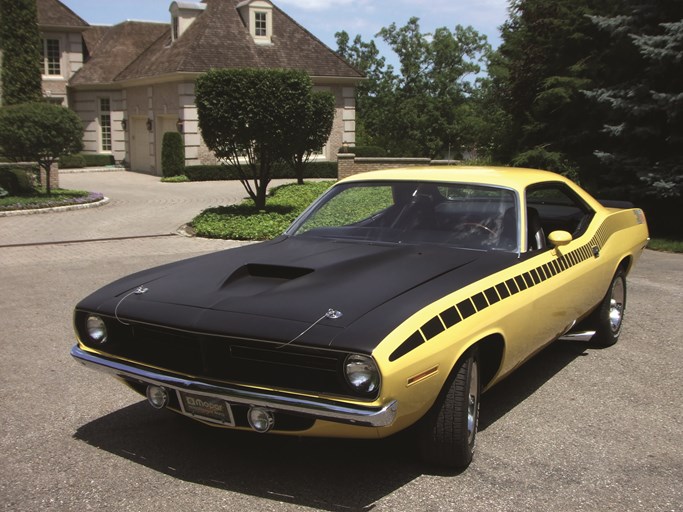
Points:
x=140 y=205
x=576 y=429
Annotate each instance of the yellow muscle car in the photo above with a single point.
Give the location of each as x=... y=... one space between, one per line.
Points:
x=391 y=303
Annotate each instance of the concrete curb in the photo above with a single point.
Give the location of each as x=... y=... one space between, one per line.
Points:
x=55 y=209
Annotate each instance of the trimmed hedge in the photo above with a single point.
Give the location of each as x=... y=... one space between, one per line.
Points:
x=18 y=180
x=172 y=154
x=80 y=160
x=364 y=151
x=326 y=170
x=76 y=161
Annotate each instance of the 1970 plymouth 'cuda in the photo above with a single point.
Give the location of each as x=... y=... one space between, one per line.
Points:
x=392 y=302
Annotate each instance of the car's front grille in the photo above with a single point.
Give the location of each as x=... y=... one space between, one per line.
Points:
x=224 y=358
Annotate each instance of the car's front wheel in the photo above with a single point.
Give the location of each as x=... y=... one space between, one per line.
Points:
x=447 y=434
x=609 y=317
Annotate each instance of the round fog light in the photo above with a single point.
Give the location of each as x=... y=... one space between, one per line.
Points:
x=157 y=396
x=261 y=420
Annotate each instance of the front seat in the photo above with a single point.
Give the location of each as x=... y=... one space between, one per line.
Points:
x=535 y=235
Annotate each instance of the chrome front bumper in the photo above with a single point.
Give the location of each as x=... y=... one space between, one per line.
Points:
x=305 y=406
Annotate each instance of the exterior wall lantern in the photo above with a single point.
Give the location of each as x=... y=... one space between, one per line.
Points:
x=124 y=124
x=179 y=125
x=149 y=124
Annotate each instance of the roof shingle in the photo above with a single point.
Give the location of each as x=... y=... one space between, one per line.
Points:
x=112 y=49
x=53 y=13
x=219 y=39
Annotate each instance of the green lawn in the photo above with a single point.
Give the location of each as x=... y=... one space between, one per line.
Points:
x=666 y=244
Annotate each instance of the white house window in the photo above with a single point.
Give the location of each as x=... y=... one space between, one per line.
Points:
x=51 y=57
x=105 y=124
x=260 y=24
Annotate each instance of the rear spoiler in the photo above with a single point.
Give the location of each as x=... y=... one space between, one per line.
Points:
x=613 y=203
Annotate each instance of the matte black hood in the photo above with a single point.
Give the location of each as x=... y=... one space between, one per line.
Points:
x=276 y=289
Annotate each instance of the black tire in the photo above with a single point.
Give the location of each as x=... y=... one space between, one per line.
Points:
x=447 y=434
x=608 y=318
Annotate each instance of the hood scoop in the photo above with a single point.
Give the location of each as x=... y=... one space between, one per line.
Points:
x=256 y=278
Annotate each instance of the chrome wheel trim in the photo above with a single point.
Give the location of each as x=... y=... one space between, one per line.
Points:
x=473 y=402
x=616 y=305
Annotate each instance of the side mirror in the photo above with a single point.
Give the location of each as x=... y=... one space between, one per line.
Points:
x=559 y=238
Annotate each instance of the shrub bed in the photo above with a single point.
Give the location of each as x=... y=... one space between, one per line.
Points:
x=244 y=222
x=58 y=197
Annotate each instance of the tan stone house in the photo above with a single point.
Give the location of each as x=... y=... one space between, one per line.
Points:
x=130 y=83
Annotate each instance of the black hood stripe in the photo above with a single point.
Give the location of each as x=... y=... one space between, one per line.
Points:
x=480 y=301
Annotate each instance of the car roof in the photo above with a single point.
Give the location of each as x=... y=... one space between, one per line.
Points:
x=511 y=177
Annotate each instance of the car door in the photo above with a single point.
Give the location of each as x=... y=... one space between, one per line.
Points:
x=563 y=282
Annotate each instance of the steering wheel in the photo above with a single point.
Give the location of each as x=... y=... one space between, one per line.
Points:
x=476 y=225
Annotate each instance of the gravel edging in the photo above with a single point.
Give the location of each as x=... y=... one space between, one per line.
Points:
x=55 y=209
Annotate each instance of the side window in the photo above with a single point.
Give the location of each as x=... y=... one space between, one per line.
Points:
x=559 y=208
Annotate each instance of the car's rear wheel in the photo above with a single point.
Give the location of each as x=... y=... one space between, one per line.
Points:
x=447 y=434
x=609 y=317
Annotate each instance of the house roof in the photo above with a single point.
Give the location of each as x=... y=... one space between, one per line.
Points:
x=53 y=13
x=218 y=38
x=112 y=49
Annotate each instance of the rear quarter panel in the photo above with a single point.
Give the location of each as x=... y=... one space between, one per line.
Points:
x=529 y=304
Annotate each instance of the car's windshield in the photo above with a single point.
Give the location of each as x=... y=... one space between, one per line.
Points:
x=457 y=214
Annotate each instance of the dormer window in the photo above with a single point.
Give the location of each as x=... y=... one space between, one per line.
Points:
x=182 y=16
x=257 y=16
x=260 y=24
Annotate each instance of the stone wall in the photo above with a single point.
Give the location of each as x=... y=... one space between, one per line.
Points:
x=349 y=164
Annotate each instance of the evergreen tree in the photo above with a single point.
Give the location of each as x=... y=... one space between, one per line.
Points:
x=21 y=52
x=642 y=92
x=549 y=54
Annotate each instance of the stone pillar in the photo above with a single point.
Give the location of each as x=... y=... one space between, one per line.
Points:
x=54 y=176
x=345 y=165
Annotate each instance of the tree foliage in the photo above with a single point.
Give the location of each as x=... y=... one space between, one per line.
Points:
x=642 y=96
x=425 y=108
x=550 y=52
x=248 y=117
x=313 y=134
x=39 y=132
x=21 y=52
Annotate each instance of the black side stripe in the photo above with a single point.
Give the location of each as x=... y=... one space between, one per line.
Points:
x=498 y=293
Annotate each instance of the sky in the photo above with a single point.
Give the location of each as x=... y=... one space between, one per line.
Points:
x=325 y=17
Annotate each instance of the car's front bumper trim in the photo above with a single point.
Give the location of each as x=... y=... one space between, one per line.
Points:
x=319 y=408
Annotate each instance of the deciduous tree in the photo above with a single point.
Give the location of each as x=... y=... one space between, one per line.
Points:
x=424 y=109
x=313 y=134
x=248 y=117
x=39 y=132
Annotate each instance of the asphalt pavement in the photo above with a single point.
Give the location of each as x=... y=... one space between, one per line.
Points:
x=576 y=428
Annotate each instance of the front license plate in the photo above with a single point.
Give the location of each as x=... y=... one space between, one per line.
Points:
x=206 y=408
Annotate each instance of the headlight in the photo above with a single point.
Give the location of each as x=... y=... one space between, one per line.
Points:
x=96 y=329
x=362 y=373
